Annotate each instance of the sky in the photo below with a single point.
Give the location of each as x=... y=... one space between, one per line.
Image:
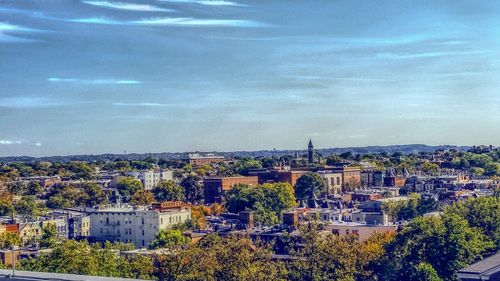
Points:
x=96 y=76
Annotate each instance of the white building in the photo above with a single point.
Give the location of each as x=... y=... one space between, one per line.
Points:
x=151 y=178
x=136 y=225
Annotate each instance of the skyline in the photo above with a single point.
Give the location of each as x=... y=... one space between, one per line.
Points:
x=93 y=77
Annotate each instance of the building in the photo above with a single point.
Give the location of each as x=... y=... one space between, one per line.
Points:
x=351 y=176
x=78 y=227
x=151 y=178
x=487 y=269
x=137 y=225
x=198 y=159
x=32 y=231
x=273 y=176
x=361 y=230
x=214 y=188
x=332 y=180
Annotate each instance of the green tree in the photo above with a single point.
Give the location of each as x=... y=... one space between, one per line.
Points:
x=96 y=196
x=142 y=197
x=268 y=201
x=127 y=186
x=169 y=238
x=49 y=235
x=193 y=189
x=168 y=191
x=28 y=206
x=9 y=239
x=446 y=243
x=306 y=184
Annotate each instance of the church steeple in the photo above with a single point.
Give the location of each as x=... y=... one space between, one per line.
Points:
x=310 y=152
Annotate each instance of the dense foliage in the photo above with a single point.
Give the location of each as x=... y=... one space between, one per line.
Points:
x=268 y=201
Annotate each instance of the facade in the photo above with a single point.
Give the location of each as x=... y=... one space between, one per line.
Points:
x=150 y=179
x=33 y=231
x=214 y=188
x=78 y=227
x=351 y=177
x=332 y=180
x=136 y=225
x=197 y=159
x=361 y=230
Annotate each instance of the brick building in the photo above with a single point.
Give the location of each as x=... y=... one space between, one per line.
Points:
x=214 y=188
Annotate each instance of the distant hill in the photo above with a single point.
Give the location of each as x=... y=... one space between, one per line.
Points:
x=405 y=149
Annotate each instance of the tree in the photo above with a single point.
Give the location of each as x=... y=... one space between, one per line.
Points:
x=168 y=238
x=446 y=243
x=34 y=188
x=29 y=207
x=9 y=239
x=482 y=213
x=49 y=235
x=425 y=272
x=268 y=201
x=127 y=186
x=142 y=197
x=168 y=191
x=430 y=168
x=215 y=258
x=95 y=194
x=193 y=190
x=306 y=184
x=82 y=258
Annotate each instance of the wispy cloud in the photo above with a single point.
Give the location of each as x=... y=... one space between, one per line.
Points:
x=417 y=55
x=358 y=79
x=128 y=6
x=93 y=81
x=207 y=2
x=27 y=102
x=10 y=142
x=150 y=104
x=10 y=33
x=170 y=21
x=198 y=22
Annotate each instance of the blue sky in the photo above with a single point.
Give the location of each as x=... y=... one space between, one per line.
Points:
x=182 y=75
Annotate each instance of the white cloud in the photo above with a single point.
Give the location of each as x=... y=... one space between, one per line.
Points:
x=197 y=22
x=93 y=81
x=10 y=32
x=171 y=21
x=27 y=102
x=207 y=2
x=38 y=144
x=9 y=142
x=128 y=6
x=152 y=104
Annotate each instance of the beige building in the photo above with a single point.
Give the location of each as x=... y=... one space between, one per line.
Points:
x=363 y=231
x=333 y=181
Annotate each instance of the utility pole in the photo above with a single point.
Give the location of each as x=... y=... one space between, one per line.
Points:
x=14 y=248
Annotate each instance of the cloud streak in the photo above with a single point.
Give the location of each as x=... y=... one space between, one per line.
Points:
x=27 y=102
x=127 y=6
x=10 y=33
x=148 y=104
x=171 y=21
x=10 y=142
x=94 y=81
x=208 y=2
